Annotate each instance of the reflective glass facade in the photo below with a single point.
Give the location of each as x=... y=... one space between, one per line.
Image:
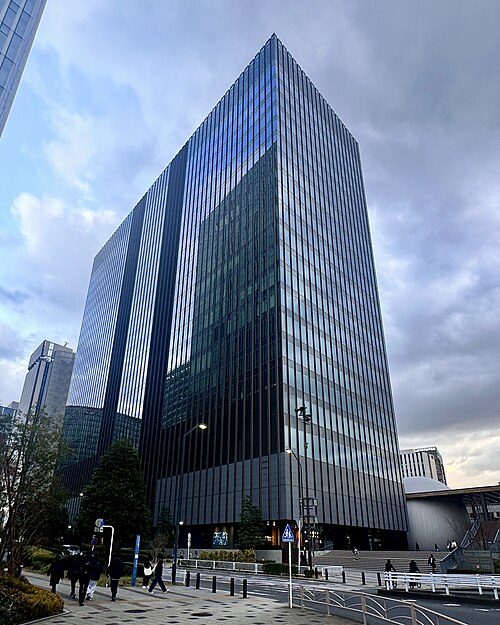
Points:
x=242 y=288
x=19 y=20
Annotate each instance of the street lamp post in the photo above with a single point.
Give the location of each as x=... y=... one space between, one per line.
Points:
x=178 y=495
x=306 y=506
x=301 y=497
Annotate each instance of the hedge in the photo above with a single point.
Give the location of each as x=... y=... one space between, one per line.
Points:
x=277 y=568
x=21 y=602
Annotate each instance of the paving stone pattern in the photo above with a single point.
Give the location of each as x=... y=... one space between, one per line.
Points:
x=179 y=606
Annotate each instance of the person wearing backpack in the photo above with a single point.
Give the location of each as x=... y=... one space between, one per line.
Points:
x=95 y=570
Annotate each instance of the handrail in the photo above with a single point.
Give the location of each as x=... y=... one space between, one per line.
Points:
x=442 y=580
x=470 y=534
x=387 y=609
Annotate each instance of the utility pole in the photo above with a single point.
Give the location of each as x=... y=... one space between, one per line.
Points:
x=310 y=502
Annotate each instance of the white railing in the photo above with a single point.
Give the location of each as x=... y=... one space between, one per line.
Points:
x=438 y=581
x=349 y=603
x=221 y=565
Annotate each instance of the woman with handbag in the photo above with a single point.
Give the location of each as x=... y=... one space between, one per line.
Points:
x=148 y=571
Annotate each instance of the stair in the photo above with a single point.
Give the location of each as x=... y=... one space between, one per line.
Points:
x=375 y=560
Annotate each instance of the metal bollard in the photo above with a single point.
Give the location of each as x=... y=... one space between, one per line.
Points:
x=326 y=574
x=214 y=583
x=188 y=578
x=343 y=577
x=363 y=579
x=198 y=581
x=379 y=579
x=316 y=573
x=245 y=589
x=231 y=587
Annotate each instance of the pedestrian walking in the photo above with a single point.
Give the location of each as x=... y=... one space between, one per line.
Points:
x=55 y=573
x=355 y=553
x=417 y=547
x=73 y=573
x=158 y=577
x=436 y=548
x=83 y=578
x=389 y=568
x=432 y=562
x=95 y=570
x=115 y=571
x=148 y=571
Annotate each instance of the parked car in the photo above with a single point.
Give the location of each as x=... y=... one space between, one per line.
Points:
x=71 y=550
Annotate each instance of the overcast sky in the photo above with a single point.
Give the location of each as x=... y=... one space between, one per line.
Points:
x=113 y=89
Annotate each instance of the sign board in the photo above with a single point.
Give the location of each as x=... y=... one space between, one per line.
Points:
x=99 y=524
x=288 y=536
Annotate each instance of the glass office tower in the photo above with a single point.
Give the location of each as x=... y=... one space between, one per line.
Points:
x=19 y=21
x=241 y=293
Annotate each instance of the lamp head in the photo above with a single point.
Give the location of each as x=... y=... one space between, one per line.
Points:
x=202 y=426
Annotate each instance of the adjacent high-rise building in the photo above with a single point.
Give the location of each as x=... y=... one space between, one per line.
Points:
x=241 y=293
x=47 y=382
x=424 y=462
x=19 y=21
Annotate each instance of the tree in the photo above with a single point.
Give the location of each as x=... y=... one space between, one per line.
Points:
x=251 y=528
x=30 y=494
x=164 y=536
x=165 y=526
x=116 y=494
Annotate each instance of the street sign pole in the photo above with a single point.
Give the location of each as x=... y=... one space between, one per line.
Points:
x=289 y=538
x=136 y=558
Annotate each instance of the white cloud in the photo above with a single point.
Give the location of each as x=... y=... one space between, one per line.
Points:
x=44 y=278
x=119 y=86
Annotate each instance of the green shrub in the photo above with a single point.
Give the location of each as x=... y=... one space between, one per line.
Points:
x=21 y=602
x=244 y=555
x=227 y=555
x=277 y=568
x=40 y=558
x=309 y=573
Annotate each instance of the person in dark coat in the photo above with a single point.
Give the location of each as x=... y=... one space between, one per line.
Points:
x=83 y=578
x=432 y=562
x=115 y=571
x=95 y=570
x=148 y=571
x=389 y=568
x=158 y=578
x=55 y=572
x=73 y=573
x=413 y=569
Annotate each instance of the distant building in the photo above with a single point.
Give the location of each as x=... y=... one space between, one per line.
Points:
x=18 y=24
x=47 y=381
x=10 y=410
x=7 y=416
x=424 y=462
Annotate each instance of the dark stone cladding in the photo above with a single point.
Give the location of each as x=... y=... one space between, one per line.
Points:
x=162 y=321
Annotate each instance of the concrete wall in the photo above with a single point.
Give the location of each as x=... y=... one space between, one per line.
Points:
x=433 y=521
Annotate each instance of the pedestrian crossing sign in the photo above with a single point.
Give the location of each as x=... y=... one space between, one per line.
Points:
x=288 y=536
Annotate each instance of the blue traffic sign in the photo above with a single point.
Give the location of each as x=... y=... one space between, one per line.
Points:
x=288 y=536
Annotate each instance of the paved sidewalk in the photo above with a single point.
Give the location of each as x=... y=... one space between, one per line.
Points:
x=179 y=606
